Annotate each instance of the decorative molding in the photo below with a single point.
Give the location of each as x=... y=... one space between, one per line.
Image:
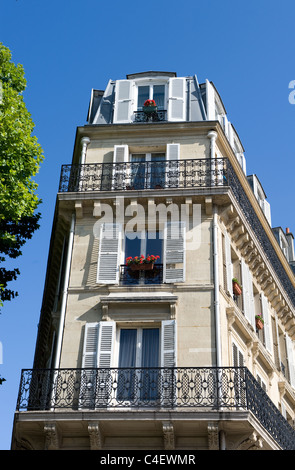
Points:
x=95 y=436
x=52 y=438
x=168 y=434
x=213 y=436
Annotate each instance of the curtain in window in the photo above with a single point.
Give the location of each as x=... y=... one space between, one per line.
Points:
x=138 y=171
x=150 y=360
x=158 y=95
x=127 y=360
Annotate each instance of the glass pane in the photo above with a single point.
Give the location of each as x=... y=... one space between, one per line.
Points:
x=138 y=171
x=150 y=359
x=159 y=95
x=143 y=94
x=127 y=360
x=154 y=244
x=150 y=347
x=157 y=170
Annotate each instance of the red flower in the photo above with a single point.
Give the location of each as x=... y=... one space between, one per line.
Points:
x=149 y=103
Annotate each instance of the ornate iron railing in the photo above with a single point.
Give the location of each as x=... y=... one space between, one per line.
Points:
x=142 y=116
x=206 y=388
x=130 y=277
x=164 y=174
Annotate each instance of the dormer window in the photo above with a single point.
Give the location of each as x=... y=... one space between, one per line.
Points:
x=151 y=92
x=168 y=92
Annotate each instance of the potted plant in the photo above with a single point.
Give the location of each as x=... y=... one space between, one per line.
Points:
x=140 y=263
x=149 y=106
x=237 y=288
x=259 y=322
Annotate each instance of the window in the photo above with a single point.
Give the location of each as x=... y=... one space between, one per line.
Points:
x=169 y=244
x=138 y=348
x=151 y=92
x=110 y=354
x=148 y=243
x=148 y=170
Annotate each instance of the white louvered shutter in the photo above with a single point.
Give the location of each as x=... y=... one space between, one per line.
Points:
x=248 y=298
x=176 y=103
x=291 y=360
x=120 y=173
x=90 y=345
x=174 y=252
x=105 y=344
x=122 y=112
x=238 y=358
x=172 y=167
x=87 y=394
x=109 y=254
x=228 y=264
x=267 y=324
x=168 y=343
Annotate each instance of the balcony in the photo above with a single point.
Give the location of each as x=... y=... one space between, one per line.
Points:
x=166 y=174
x=129 y=277
x=170 y=389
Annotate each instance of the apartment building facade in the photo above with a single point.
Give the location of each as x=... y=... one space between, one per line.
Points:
x=169 y=354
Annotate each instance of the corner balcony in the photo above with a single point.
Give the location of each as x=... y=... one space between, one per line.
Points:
x=174 y=390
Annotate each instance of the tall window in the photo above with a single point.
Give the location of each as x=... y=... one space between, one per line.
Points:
x=139 y=347
x=148 y=170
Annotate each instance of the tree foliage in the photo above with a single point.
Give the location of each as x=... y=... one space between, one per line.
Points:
x=20 y=159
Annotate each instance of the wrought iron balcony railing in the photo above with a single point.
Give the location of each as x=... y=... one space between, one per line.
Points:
x=142 y=116
x=129 y=277
x=206 y=388
x=164 y=174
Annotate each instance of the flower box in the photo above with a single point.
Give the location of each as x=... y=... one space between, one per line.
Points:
x=259 y=322
x=150 y=109
x=140 y=263
x=141 y=267
x=237 y=290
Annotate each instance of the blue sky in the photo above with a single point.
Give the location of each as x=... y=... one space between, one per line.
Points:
x=69 y=47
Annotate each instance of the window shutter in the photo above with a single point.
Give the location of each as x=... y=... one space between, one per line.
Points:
x=248 y=298
x=291 y=362
x=168 y=343
x=89 y=361
x=172 y=169
x=238 y=358
x=122 y=112
x=121 y=172
x=109 y=254
x=176 y=106
x=267 y=211
x=174 y=252
x=267 y=323
x=105 y=344
x=210 y=101
x=228 y=264
x=90 y=345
